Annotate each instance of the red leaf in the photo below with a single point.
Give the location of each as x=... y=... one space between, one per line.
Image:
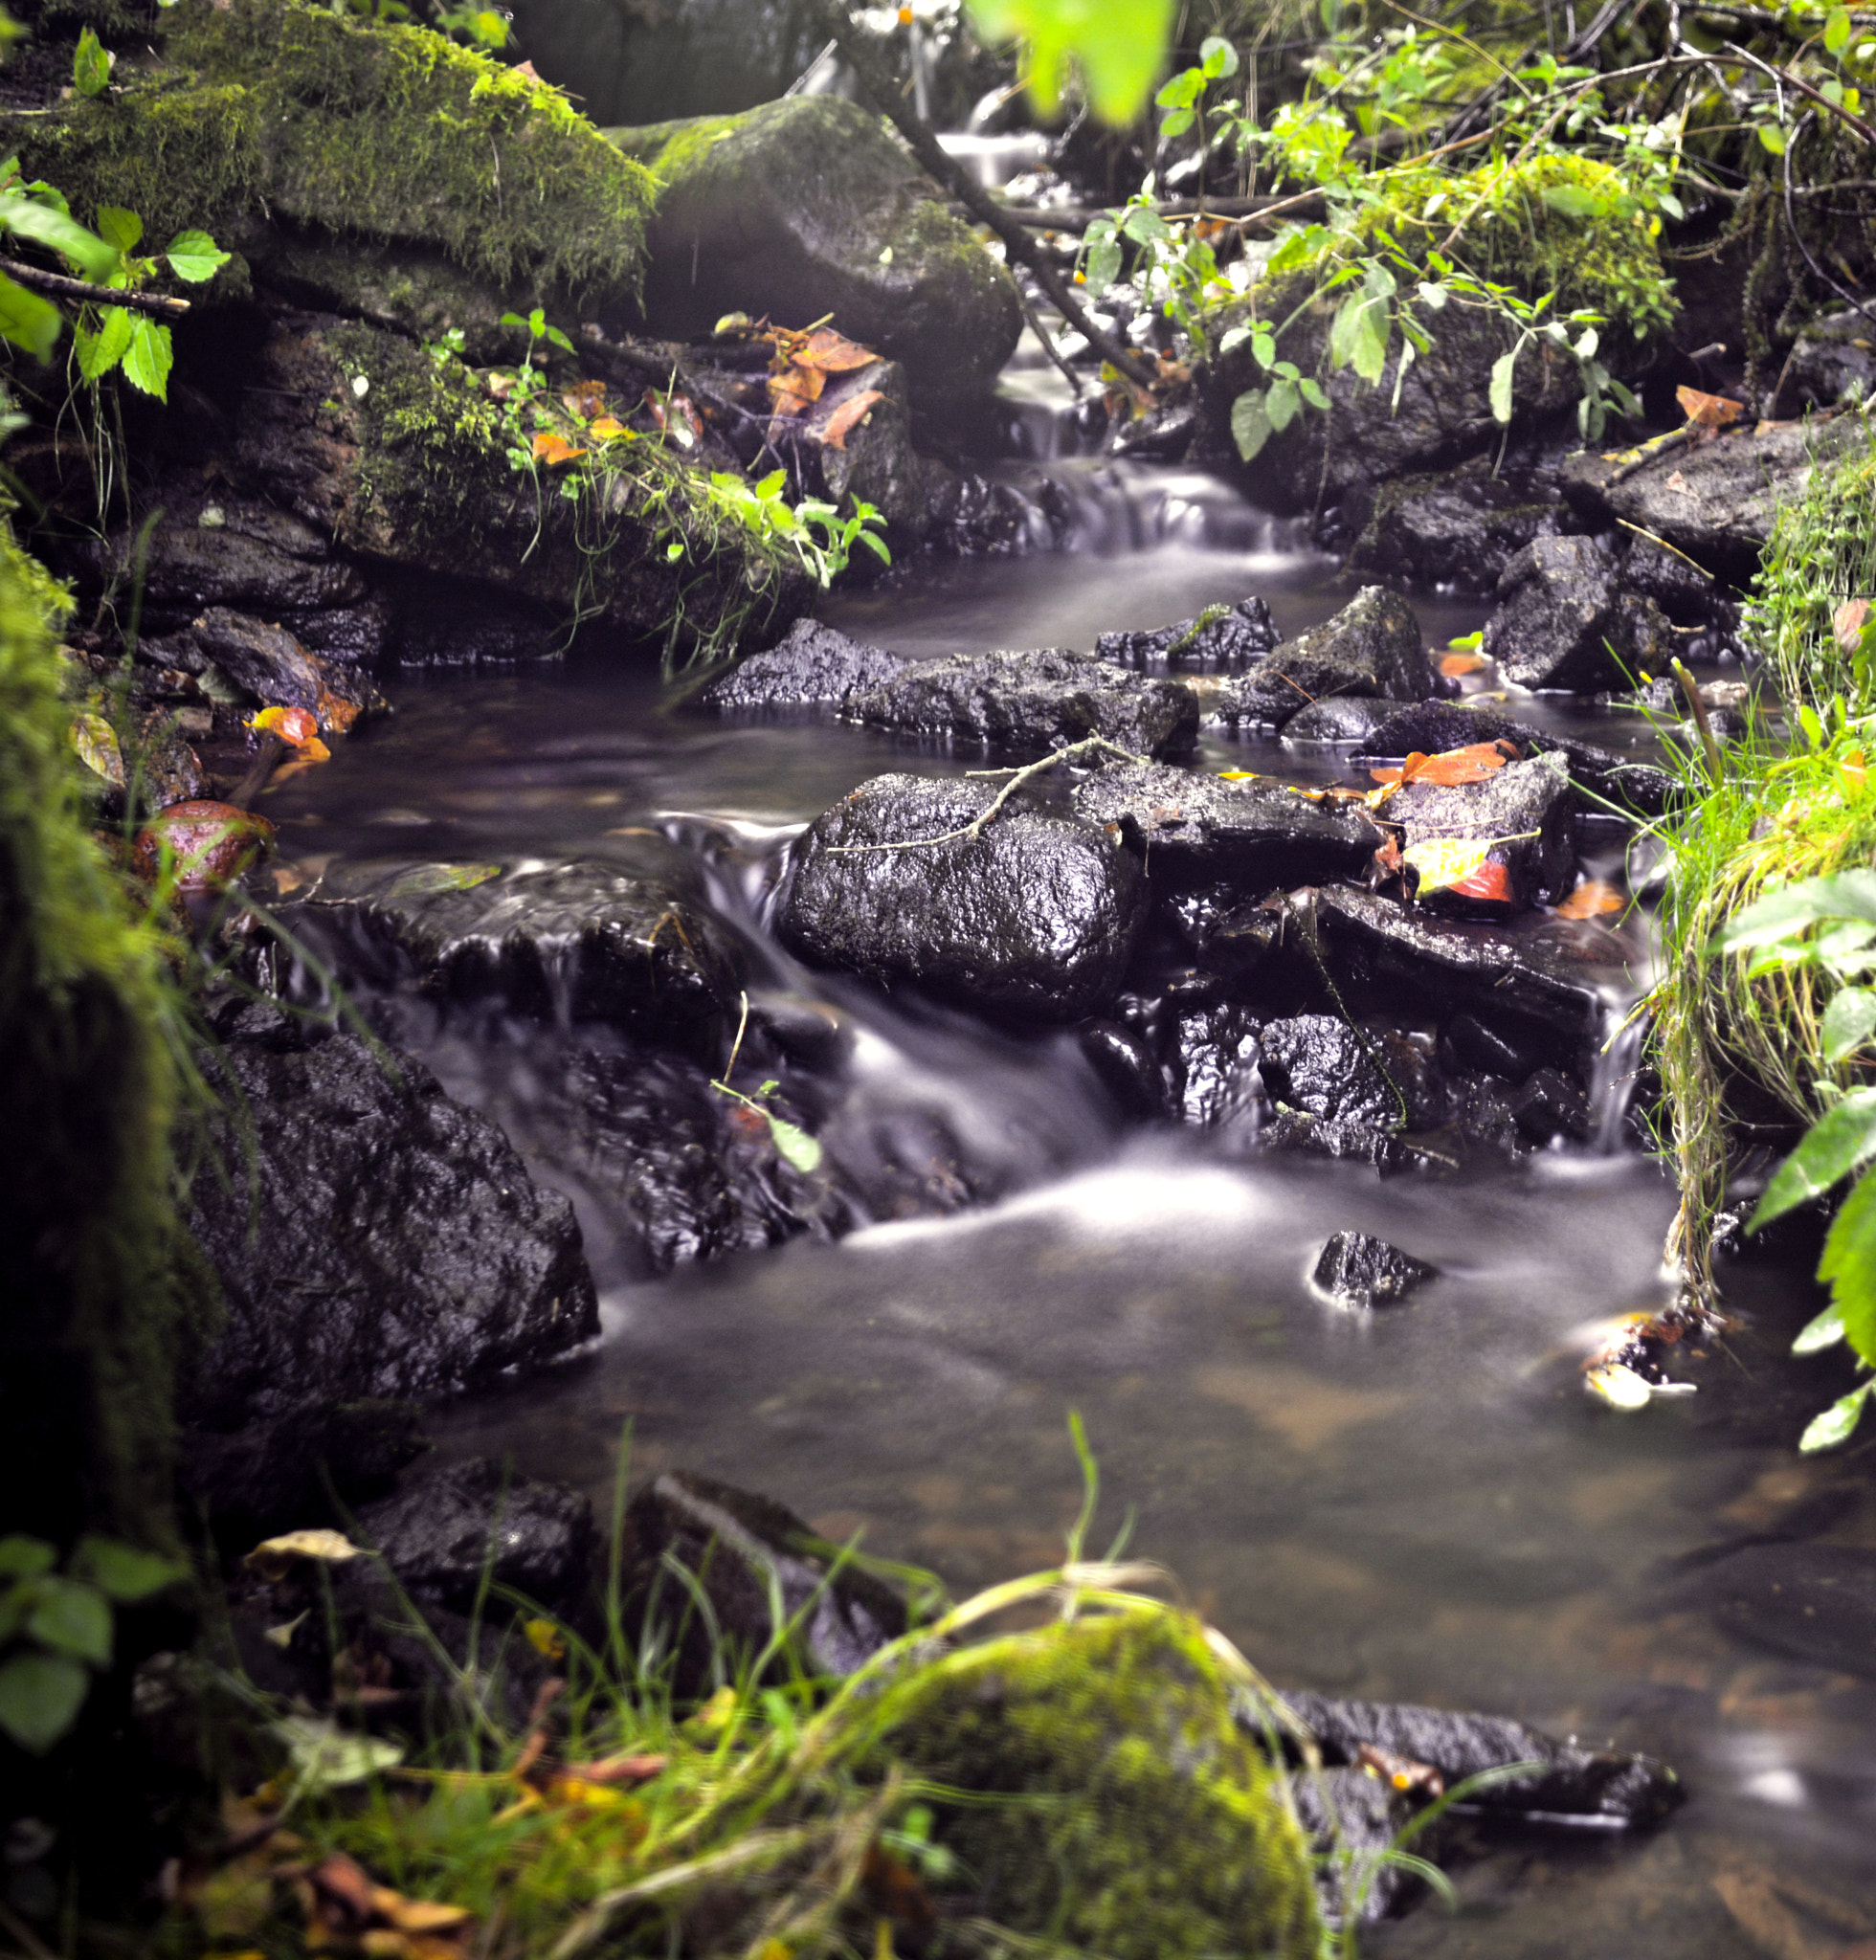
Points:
x=1490 y=881
x=1590 y=900
x=850 y=411
x=1452 y=665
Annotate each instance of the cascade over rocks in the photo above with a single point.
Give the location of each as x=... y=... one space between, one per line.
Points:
x=808 y=207
x=1192 y=827
x=396 y=1246
x=1372 y=646
x=1038 y=915
x=1027 y=703
x=1566 y=618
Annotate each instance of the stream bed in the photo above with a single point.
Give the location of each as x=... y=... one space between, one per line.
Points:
x=1415 y=1505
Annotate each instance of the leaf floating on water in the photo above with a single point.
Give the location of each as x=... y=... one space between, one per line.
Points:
x=1620 y=1388
x=1591 y=900
x=1709 y=411
x=423 y=879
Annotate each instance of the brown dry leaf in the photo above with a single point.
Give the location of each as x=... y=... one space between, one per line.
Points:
x=586 y=397
x=850 y=411
x=830 y=352
x=636 y=1768
x=1451 y=767
x=1387 y=855
x=1452 y=665
x=1846 y=623
x=553 y=449
x=342 y=1881
x=795 y=389
x=417 y=1915
x=1591 y=900
x=1709 y=411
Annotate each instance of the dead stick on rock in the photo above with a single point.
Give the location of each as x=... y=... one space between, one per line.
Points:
x=975 y=828
x=974 y=199
x=83 y=289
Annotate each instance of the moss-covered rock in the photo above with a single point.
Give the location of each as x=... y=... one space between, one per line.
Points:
x=382 y=132
x=809 y=206
x=407 y=458
x=1128 y=1815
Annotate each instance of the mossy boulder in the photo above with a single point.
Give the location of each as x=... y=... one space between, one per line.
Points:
x=809 y=206
x=1118 y=1807
x=407 y=458
x=359 y=130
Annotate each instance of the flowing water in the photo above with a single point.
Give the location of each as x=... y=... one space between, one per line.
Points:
x=1417 y=1505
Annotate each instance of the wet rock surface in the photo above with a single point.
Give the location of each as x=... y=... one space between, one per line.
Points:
x=276 y=1474
x=1565 y=618
x=1459 y=528
x=746 y=1553
x=1350 y=1811
x=1196 y=828
x=1525 y=806
x=1572 y=1782
x=1357 y=1269
x=579 y=940
x=450 y=1535
x=1038 y=915
x=805 y=208
x=1343 y=719
x=396 y=1246
x=1222 y=639
x=1323 y=1068
x=1027 y=703
x=811 y=666
x=1371 y=647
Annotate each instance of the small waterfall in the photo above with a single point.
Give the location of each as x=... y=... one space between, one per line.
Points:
x=1611 y=1086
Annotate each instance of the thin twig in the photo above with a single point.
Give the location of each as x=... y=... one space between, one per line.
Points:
x=83 y=289
x=1087 y=746
x=1047 y=341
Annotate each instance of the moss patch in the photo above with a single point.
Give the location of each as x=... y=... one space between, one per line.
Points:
x=1128 y=1813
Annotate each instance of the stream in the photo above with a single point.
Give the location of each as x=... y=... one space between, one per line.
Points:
x=1414 y=1505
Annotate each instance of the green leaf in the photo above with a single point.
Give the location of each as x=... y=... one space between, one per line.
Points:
x=1281 y=403
x=1183 y=90
x=1502 y=371
x=26 y=218
x=1840 y=1139
x=194 y=256
x=29 y=321
x=1848 y=1264
x=1118 y=46
x=119 y=227
x=122 y=1571
x=148 y=358
x=1104 y=264
x=90 y=66
x=326 y=1758
x=1837 y=1423
x=1848 y=1022
x=101 y=351
x=1218 y=57
x=1836 y=30
x=1263 y=349
x=40 y=1696
x=71 y=1618
x=795 y=1144
x=1313 y=395
x=1773 y=137
x=1844 y=895
x=1573 y=201
x=1432 y=294
x=1142 y=222
x=25 y=1558
x=1814 y=1336
x=1250 y=425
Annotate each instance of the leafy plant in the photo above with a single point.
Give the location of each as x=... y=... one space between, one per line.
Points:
x=111 y=337
x=791 y=1142
x=55 y=1627
x=1117 y=47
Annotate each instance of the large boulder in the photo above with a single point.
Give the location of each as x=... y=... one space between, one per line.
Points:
x=809 y=206
x=1259 y=836
x=1565 y=618
x=1037 y=914
x=1372 y=646
x=372 y=1237
x=811 y=666
x=1455 y=528
x=1027 y=703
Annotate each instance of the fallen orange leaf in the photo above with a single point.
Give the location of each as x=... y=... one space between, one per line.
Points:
x=1709 y=411
x=1451 y=767
x=293 y=726
x=793 y=389
x=848 y=415
x=831 y=353
x=1490 y=880
x=1455 y=665
x=553 y=449
x=586 y=397
x=1591 y=900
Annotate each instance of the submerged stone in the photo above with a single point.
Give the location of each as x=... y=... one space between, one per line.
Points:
x=1812 y=1603
x=808 y=207
x=1221 y=639
x=1027 y=703
x=1038 y=915
x=811 y=666
x=1259 y=838
x=1157 y=1830
x=1356 y=1269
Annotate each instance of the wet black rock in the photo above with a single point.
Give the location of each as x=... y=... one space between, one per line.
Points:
x=454 y=1533
x=1566 y=619
x=1716 y=500
x=1530 y=979
x=1342 y=1140
x=1027 y=703
x=579 y=940
x=274 y=1475
x=1812 y=1603
x=1222 y=639
x=1345 y=1811
x=1524 y=807
x=1038 y=915
x=811 y=666
x=373 y=1239
x=1231 y=937
x=1371 y=647
x=749 y=1555
x=1319 y=1064
x=1832 y=362
x=1357 y=1269
x=1549 y=1105
x=1433 y=726
x=1459 y=528
x=1600 y=1784
x=1215 y=1064
x=1127 y=1066
x=1194 y=828
x=1341 y=718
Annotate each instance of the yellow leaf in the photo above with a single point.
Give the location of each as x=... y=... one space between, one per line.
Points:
x=274 y=1557
x=97 y=743
x=606 y=428
x=544 y=1638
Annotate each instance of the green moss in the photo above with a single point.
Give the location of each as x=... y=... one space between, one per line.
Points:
x=668 y=149
x=88 y=1081
x=387 y=132
x=1130 y=1815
